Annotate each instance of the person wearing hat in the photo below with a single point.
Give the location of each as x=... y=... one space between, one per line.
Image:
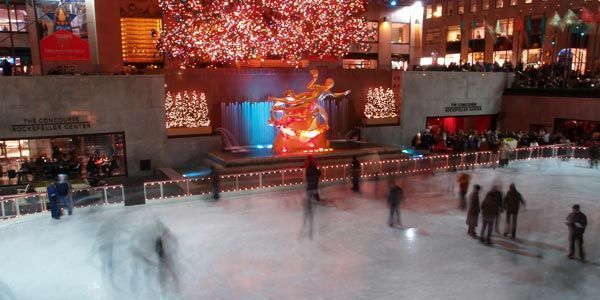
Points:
x=577 y=222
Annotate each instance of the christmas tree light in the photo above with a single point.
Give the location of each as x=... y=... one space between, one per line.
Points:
x=380 y=104
x=226 y=31
x=186 y=111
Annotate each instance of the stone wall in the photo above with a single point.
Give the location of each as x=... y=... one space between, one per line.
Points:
x=129 y=104
x=521 y=111
x=437 y=94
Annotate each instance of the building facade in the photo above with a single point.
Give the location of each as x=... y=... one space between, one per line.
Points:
x=527 y=31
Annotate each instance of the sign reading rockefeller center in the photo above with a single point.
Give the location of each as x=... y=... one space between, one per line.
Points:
x=51 y=124
x=462 y=107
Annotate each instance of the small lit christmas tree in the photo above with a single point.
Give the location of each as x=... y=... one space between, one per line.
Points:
x=380 y=104
x=186 y=111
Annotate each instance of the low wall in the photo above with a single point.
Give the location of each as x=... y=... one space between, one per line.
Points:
x=521 y=111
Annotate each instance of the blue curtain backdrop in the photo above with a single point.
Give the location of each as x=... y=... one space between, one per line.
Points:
x=248 y=121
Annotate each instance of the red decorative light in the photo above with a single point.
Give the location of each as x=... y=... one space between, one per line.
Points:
x=226 y=31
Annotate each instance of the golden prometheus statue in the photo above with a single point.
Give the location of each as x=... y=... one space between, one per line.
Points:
x=304 y=122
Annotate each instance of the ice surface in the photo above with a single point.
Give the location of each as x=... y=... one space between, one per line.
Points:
x=249 y=246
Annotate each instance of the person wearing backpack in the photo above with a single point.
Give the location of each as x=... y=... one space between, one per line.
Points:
x=64 y=192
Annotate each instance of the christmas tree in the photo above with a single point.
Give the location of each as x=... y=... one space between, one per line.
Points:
x=380 y=104
x=186 y=111
x=226 y=31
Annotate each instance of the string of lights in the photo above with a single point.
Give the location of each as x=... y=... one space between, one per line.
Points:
x=226 y=31
x=380 y=104
x=186 y=110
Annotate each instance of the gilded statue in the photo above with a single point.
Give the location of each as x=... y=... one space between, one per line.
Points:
x=304 y=122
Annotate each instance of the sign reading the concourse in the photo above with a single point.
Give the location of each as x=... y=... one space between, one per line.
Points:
x=51 y=124
x=462 y=107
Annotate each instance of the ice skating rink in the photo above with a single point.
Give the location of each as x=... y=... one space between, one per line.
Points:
x=252 y=245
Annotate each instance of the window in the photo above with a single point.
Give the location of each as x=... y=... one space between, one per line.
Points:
x=453 y=34
x=139 y=37
x=528 y=1
x=502 y=57
x=400 y=33
x=17 y=23
x=473 y=5
x=475 y=57
x=531 y=56
x=450 y=8
x=438 y=11
x=429 y=11
x=499 y=3
x=432 y=36
x=477 y=33
x=576 y=57
x=461 y=7
x=513 y=2
x=485 y=5
x=505 y=27
x=360 y=63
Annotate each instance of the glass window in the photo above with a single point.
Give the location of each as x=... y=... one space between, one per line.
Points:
x=477 y=33
x=360 y=63
x=528 y=1
x=432 y=36
x=400 y=33
x=513 y=2
x=452 y=58
x=18 y=14
x=429 y=11
x=473 y=5
x=531 y=56
x=450 y=8
x=438 y=11
x=139 y=37
x=502 y=56
x=475 y=57
x=505 y=27
x=453 y=34
x=499 y=3
x=485 y=4
x=461 y=7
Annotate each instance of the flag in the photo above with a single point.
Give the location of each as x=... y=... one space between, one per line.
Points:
x=543 y=29
x=555 y=20
x=491 y=30
x=569 y=19
x=587 y=16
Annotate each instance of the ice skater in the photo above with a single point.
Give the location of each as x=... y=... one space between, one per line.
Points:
x=489 y=211
x=463 y=185
x=54 y=201
x=355 y=173
x=313 y=175
x=215 y=179
x=395 y=197
x=497 y=195
x=64 y=192
x=577 y=221
x=473 y=212
x=512 y=203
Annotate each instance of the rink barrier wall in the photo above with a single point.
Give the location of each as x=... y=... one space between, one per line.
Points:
x=18 y=205
x=170 y=189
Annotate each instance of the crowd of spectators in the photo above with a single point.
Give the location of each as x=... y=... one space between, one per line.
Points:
x=557 y=75
x=471 y=140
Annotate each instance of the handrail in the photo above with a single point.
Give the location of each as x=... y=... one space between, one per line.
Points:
x=339 y=172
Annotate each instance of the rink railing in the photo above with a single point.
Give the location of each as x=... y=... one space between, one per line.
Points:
x=31 y=203
x=168 y=189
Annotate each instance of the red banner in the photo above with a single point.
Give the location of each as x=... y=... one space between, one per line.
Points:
x=64 y=45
